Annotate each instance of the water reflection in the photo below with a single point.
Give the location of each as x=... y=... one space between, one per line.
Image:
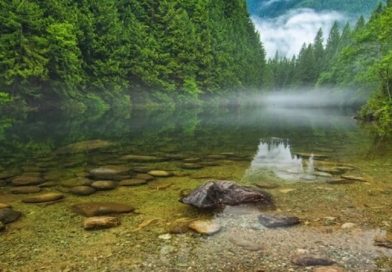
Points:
x=274 y=156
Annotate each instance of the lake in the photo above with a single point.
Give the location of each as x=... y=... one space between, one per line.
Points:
x=319 y=165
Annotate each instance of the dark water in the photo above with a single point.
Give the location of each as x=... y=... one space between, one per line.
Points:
x=290 y=151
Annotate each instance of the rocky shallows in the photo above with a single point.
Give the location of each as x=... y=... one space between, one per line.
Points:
x=217 y=194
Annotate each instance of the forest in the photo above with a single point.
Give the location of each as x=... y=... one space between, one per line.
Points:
x=355 y=57
x=61 y=53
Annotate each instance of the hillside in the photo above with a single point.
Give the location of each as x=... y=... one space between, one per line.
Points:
x=97 y=53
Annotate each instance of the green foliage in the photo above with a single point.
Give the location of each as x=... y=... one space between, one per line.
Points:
x=66 y=50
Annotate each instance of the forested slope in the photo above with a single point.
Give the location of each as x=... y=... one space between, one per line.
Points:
x=357 y=58
x=102 y=52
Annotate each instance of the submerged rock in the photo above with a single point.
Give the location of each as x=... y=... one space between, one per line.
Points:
x=8 y=215
x=159 y=173
x=82 y=190
x=84 y=146
x=100 y=222
x=109 y=173
x=191 y=166
x=45 y=197
x=271 y=221
x=192 y=160
x=103 y=185
x=141 y=158
x=146 y=177
x=338 y=181
x=217 y=194
x=311 y=261
x=26 y=190
x=101 y=208
x=27 y=180
x=2 y=226
x=4 y=205
x=205 y=227
x=216 y=157
x=356 y=178
x=383 y=241
x=73 y=182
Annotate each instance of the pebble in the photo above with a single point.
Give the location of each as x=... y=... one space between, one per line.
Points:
x=45 y=197
x=271 y=221
x=26 y=180
x=103 y=185
x=132 y=182
x=100 y=222
x=159 y=173
x=348 y=225
x=91 y=209
x=205 y=227
x=82 y=190
x=166 y=236
x=25 y=190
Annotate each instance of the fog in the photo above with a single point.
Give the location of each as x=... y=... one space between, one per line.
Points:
x=307 y=98
x=288 y=32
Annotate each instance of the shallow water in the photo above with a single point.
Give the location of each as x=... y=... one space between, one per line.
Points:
x=292 y=153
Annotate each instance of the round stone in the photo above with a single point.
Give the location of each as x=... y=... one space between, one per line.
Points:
x=45 y=197
x=159 y=173
x=100 y=222
x=8 y=215
x=26 y=190
x=82 y=190
x=26 y=180
x=103 y=185
x=205 y=227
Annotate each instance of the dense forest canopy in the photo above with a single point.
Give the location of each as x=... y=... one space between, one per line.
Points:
x=101 y=51
x=271 y=8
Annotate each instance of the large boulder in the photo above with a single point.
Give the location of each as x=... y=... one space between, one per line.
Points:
x=217 y=194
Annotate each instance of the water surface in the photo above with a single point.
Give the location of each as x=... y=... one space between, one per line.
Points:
x=286 y=151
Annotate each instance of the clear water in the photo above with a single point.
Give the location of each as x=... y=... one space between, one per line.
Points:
x=286 y=151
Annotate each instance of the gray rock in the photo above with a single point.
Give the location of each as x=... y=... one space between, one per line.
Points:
x=8 y=215
x=217 y=194
x=271 y=221
x=82 y=190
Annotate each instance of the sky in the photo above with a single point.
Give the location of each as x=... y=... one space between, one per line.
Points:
x=288 y=32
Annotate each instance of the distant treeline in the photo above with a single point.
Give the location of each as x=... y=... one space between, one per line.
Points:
x=103 y=51
x=358 y=57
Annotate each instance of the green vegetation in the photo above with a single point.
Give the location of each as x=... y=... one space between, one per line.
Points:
x=358 y=58
x=78 y=53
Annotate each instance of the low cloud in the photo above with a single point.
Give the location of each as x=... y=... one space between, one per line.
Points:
x=287 y=33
